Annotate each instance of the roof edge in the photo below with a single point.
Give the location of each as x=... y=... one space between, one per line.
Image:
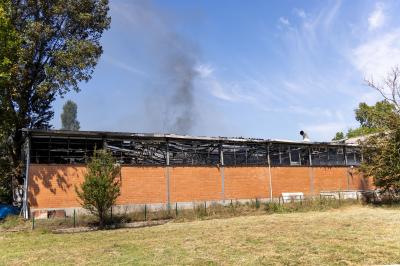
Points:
x=122 y=135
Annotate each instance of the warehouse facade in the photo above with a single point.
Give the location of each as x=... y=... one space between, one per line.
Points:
x=163 y=169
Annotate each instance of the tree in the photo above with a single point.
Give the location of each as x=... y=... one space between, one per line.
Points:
x=339 y=136
x=360 y=131
x=101 y=187
x=10 y=42
x=371 y=118
x=5 y=176
x=59 y=48
x=389 y=88
x=381 y=151
x=69 y=116
x=382 y=157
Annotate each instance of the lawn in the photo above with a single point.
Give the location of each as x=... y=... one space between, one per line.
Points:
x=351 y=235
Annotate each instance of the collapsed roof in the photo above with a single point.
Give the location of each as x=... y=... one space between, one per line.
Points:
x=60 y=146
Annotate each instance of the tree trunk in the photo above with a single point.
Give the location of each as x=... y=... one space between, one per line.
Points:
x=101 y=219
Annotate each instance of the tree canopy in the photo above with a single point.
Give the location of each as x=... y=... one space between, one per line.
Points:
x=381 y=122
x=372 y=119
x=50 y=47
x=339 y=136
x=10 y=41
x=9 y=47
x=382 y=157
x=381 y=150
x=69 y=116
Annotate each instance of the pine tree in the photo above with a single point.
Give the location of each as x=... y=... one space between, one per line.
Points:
x=69 y=116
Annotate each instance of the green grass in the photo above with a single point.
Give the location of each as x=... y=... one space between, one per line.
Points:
x=13 y=222
x=350 y=235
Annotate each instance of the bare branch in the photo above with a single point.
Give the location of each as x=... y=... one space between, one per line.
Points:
x=390 y=90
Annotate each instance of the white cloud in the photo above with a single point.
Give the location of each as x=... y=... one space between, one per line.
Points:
x=124 y=66
x=323 y=19
x=227 y=91
x=310 y=111
x=370 y=97
x=300 y=12
x=324 y=131
x=335 y=120
x=377 y=18
x=376 y=57
x=294 y=88
x=284 y=21
x=204 y=70
x=330 y=15
x=290 y=85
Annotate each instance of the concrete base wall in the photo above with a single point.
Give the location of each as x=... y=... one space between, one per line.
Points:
x=124 y=209
x=53 y=186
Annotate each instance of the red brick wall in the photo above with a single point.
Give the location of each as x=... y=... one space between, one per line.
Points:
x=53 y=186
x=290 y=179
x=330 y=178
x=358 y=181
x=189 y=184
x=340 y=178
x=143 y=185
x=246 y=182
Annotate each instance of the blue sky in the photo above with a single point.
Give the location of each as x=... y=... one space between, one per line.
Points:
x=263 y=69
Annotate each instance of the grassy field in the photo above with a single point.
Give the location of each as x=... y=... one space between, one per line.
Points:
x=351 y=235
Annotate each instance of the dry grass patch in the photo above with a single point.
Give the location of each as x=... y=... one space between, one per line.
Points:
x=14 y=223
x=353 y=235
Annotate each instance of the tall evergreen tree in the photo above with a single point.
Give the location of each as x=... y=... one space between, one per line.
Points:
x=69 y=116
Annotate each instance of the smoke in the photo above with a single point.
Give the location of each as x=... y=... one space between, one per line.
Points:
x=171 y=102
x=181 y=113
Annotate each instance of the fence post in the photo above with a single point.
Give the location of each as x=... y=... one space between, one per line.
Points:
x=176 y=209
x=74 y=218
x=205 y=207
x=145 y=212
x=33 y=222
x=111 y=215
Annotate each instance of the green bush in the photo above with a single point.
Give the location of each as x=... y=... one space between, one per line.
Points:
x=101 y=187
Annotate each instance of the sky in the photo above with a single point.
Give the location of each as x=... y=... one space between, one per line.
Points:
x=263 y=69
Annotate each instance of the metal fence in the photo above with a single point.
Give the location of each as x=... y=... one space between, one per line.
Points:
x=146 y=215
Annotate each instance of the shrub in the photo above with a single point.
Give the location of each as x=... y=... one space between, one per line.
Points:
x=101 y=186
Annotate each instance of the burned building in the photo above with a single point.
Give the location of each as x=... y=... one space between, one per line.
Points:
x=164 y=169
